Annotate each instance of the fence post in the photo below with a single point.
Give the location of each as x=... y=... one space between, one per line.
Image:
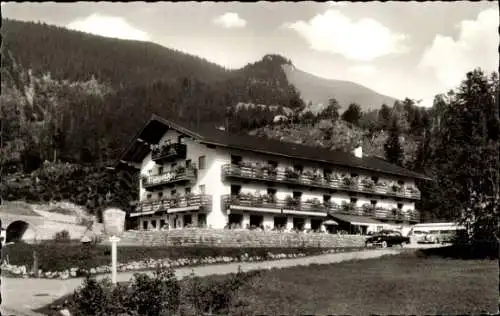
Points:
x=34 y=268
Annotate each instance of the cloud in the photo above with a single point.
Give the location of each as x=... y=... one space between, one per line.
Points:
x=364 y=40
x=230 y=20
x=108 y=26
x=364 y=70
x=476 y=46
x=337 y=4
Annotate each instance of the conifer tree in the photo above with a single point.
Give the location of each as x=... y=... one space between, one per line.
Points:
x=392 y=147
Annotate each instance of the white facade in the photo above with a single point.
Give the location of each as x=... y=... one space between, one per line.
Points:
x=211 y=181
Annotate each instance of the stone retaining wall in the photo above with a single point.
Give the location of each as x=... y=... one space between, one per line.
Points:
x=238 y=238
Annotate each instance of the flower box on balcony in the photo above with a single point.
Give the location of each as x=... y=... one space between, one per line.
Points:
x=269 y=170
x=291 y=174
x=168 y=152
x=368 y=184
x=291 y=201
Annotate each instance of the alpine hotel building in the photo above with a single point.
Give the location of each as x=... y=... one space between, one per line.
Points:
x=207 y=177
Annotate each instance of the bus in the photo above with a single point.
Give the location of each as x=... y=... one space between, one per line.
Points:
x=434 y=232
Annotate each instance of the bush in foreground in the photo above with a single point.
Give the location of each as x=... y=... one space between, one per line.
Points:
x=159 y=295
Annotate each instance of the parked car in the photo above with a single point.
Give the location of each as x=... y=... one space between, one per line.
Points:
x=387 y=238
x=417 y=236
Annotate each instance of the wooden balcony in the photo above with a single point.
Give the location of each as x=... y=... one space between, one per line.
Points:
x=289 y=206
x=174 y=204
x=309 y=180
x=171 y=152
x=273 y=205
x=179 y=175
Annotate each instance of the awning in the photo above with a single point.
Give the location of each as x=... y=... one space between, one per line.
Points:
x=330 y=222
x=356 y=219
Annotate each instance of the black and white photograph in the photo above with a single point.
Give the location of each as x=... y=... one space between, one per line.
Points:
x=249 y=158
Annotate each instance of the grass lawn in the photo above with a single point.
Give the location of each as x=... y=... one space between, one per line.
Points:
x=403 y=284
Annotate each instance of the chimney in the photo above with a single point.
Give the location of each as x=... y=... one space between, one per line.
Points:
x=358 y=151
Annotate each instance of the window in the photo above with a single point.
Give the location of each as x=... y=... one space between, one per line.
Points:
x=173 y=192
x=273 y=163
x=145 y=225
x=153 y=223
x=180 y=139
x=400 y=206
x=202 y=220
x=201 y=162
x=375 y=179
x=202 y=188
x=187 y=191
x=326 y=172
x=298 y=168
x=354 y=200
x=235 y=159
x=160 y=170
x=401 y=182
x=373 y=202
x=188 y=220
x=297 y=195
x=354 y=175
x=149 y=196
x=162 y=223
x=327 y=198
x=235 y=189
x=173 y=165
x=160 y=195
x=271 y=191
x=188 y=163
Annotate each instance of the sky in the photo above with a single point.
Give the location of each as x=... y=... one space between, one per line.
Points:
x=400 y=49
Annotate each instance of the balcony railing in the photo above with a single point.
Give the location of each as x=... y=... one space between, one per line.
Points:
x=316 y=180
x=168 y=152
x=164 y=205
x=178 y=175
x=271 y=203
x=249 y=200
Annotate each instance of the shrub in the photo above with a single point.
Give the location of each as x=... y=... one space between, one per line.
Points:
x=93 y=298
x=62 y=237
x=157 y=295
x=148 y=296
x=214 y=296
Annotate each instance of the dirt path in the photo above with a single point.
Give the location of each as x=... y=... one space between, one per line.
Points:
x=20 y=296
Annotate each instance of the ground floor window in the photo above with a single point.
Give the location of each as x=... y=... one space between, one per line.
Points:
x=280 y=222
x=235 y=220
x=256 y=221
x=316 y=224
x=298 y=223
x=153 y=223
x=188 y=219
x=202 y=220
x=162 y=223
x=145 y=225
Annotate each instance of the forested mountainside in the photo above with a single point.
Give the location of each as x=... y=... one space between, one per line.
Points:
x=79 y=111
x=77 y=56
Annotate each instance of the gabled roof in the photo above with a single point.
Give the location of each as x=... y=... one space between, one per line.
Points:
x=157 y=126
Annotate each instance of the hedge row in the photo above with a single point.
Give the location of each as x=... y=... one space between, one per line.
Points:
x=59 y=257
